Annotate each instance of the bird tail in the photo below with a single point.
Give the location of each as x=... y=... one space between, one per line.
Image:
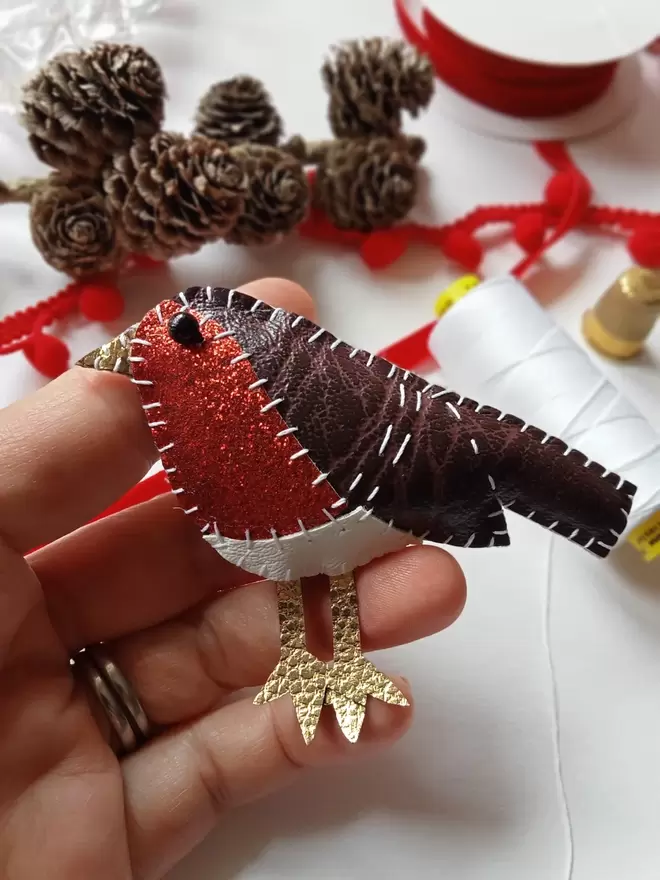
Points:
x=539 y=477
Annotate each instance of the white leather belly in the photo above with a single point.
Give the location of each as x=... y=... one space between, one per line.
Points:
x=333 y=548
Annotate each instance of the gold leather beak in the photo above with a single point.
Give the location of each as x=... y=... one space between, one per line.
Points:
x=113 y=355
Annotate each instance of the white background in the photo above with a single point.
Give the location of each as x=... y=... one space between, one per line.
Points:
x=474 y=790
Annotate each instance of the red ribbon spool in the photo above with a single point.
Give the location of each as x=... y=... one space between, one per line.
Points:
x=510 y=86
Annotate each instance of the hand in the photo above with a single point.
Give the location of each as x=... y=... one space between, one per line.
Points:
x=144 y=583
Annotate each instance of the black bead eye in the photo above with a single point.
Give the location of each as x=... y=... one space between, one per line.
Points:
x=184 y=329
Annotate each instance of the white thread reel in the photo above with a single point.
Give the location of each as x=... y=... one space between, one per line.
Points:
x=498 y=345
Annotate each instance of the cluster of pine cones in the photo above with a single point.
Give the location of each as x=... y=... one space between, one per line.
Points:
x=122 y=185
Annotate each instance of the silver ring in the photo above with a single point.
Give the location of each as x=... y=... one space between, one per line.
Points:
x=117 y=698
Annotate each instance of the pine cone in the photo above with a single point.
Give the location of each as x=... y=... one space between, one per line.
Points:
x=371 y=81
x=72 y=227
x=367 y=183
x=171 y=195
x=277 y=198
x=239 y=110
x=82 y=106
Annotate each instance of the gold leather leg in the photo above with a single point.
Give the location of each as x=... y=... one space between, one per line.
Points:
x=298 y=672
x=351 y=678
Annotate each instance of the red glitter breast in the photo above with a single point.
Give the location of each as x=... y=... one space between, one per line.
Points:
x=228 y=455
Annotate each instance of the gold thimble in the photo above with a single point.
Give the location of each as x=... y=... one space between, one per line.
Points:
x=624 y=316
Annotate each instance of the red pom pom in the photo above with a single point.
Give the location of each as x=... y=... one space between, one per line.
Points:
x=101 y=302
x=529 y=231
x=463 y=248
x=48 y=354
x=561 y=190
x=644 y=246
x=381 y=249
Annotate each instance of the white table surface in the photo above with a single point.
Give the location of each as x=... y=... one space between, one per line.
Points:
x=549 y=675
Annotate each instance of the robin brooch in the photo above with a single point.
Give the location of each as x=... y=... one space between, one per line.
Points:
x=297 y=455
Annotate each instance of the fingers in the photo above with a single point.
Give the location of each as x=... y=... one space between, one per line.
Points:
x=78 y=444
x=130 y=571
x=185 y=667
x=178 y=785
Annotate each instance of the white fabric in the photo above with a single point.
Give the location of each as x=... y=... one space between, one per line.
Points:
x=333 y=548
x=472 y=792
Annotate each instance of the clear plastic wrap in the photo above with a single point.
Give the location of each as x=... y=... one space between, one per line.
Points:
x=35 y=30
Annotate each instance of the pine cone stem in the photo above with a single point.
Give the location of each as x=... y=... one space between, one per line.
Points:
x=315 y=152
x=21 y=190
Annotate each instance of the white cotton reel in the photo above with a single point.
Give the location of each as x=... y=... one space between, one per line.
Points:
x=498 y=345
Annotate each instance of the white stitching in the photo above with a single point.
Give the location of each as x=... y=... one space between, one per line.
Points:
x=165 y=448
x=589 y=543
x=248 y=539
x=329 y=515
x=304 y=530
x=402 y=395
x=298 y=454
x=275 y=312
x=171 y=470
x=354 y=353
x=297 y=320
x=405 y=375
x=371 y=359
x=524 y=428
x=191 y=510
x=546 y=438
x=216 y=532
x=386 y=440
x=183 y=299
x=355 y=482
x=495 y=513
x=240 y=357
x=256 y=305
x=151 y=405
x=335 y=344
x=617 y=535
x=406 y=440
x=276 y=538
x=230 y=297
x=492 y=482
x=205 y=528
x=141 y=381
x=141 y=341
x=573 y=534
x=501 y=417
x=474 y=445
x=439 y=393
x=178 y=491
x=316 y=335
x=391 y=372
x=453 y=409
x=419 y=401
x=159 y=313
x=285 y=432
x=491 y=542
x=606 y=546
x=320 y=479
x=271 y=404
x=531 y=514
x=223 y=335
x=470 y=540
x=257 y=384
x=460 y=400
x=134 y=359
x=339 y=503
x=367 y=513
x=500 y=532
x=373 y=493
x=449 y=539
x=209 y=293
x=155 y=424
x=554 y=525
x=118 y=365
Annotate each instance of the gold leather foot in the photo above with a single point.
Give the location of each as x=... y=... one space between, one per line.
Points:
x=303 y=676
x=349 y=683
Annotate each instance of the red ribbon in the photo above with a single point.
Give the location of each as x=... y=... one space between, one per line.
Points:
x=508 y=85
